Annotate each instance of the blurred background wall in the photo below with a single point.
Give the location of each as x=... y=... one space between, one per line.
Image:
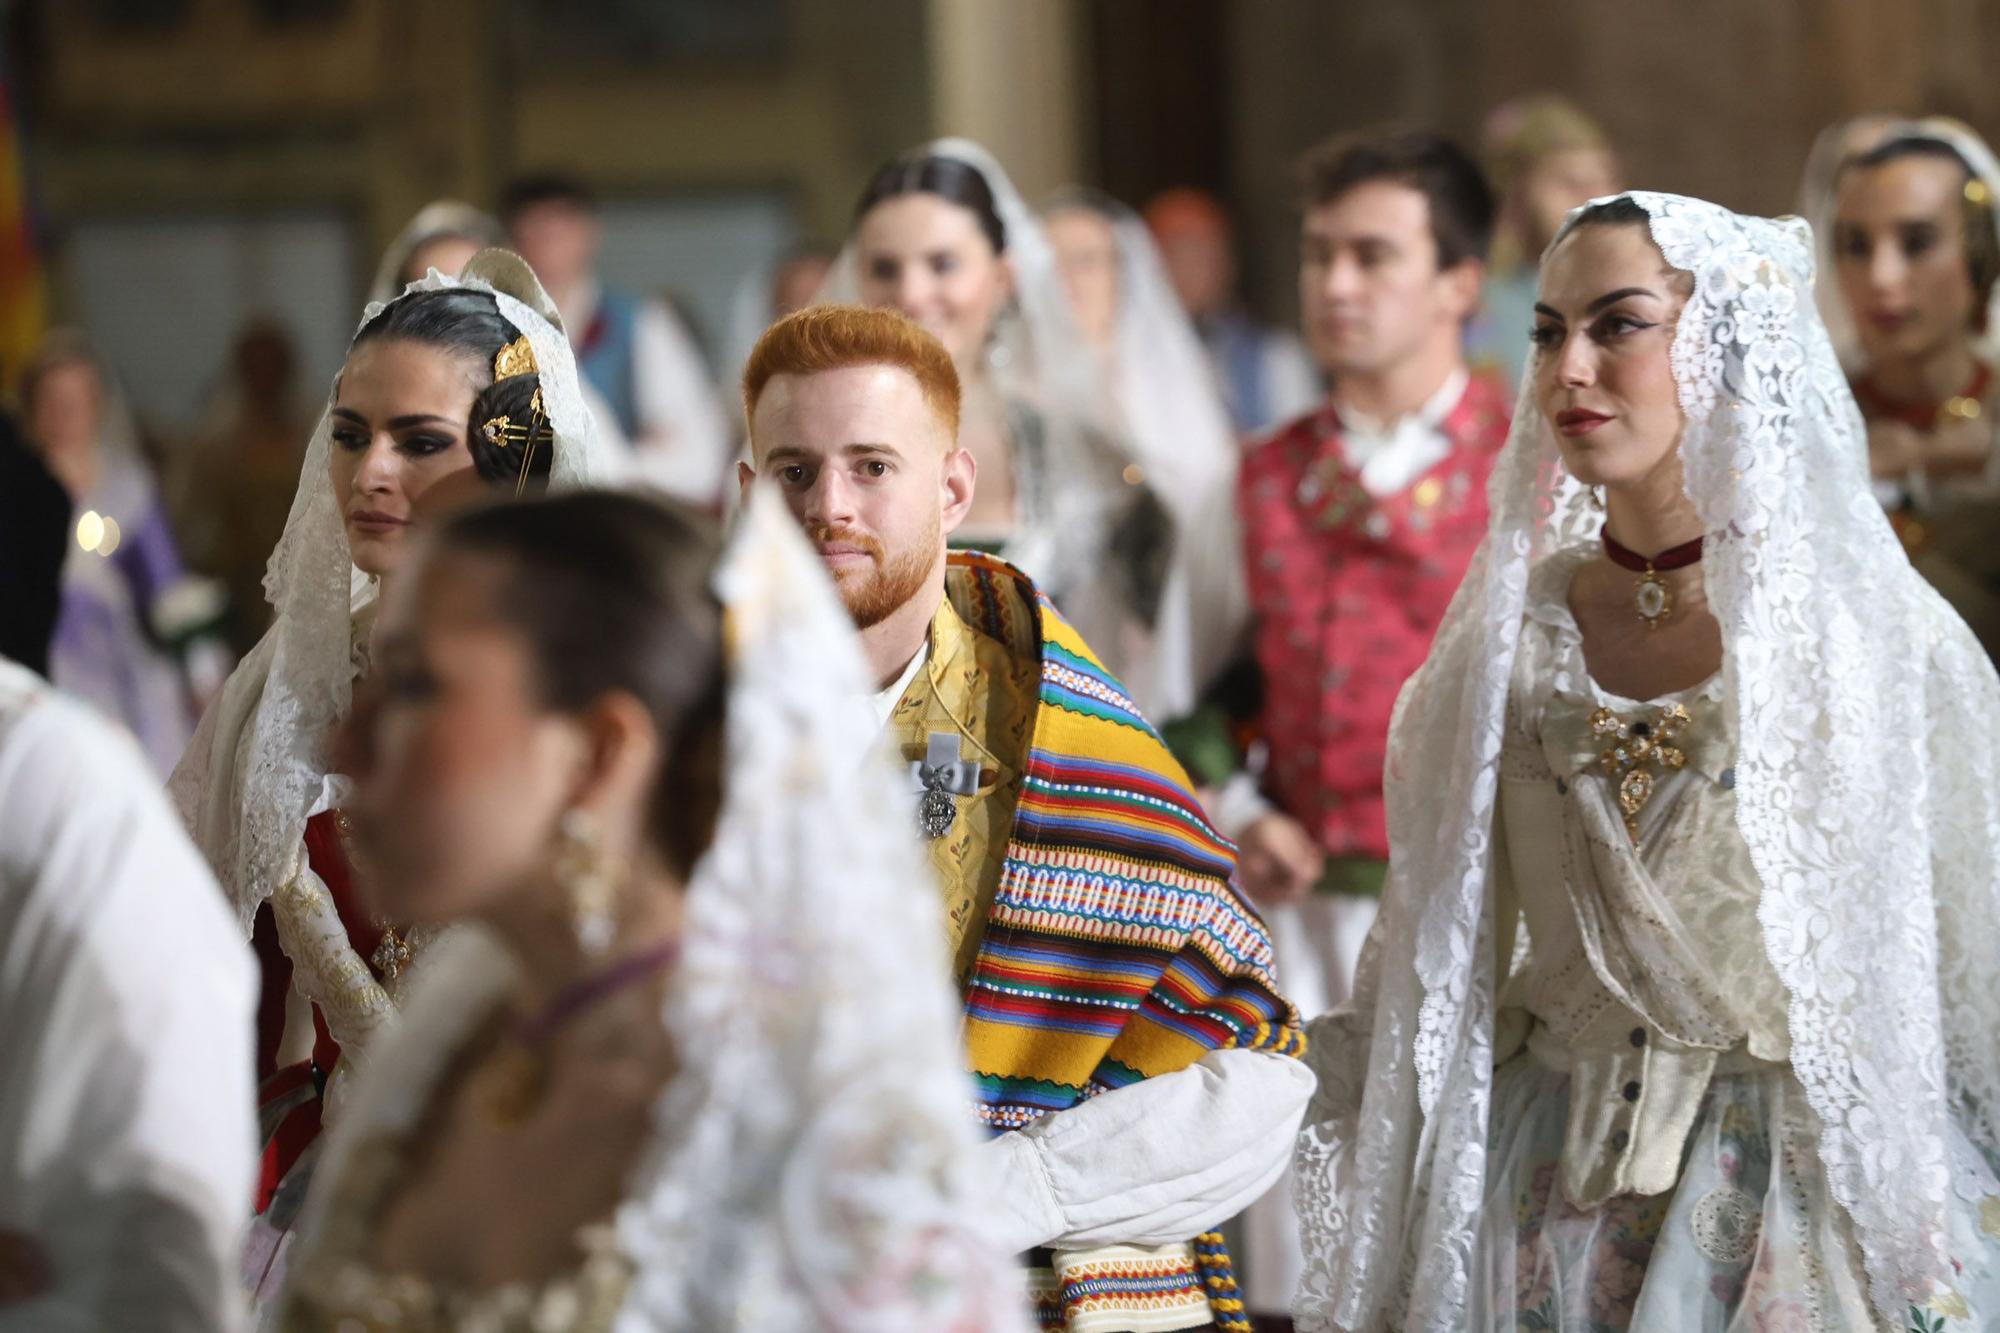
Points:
x=193 y=165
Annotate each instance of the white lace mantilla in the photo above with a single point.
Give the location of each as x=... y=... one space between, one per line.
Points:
x=1866 y=723
x=813 y=1165
x=257 y=768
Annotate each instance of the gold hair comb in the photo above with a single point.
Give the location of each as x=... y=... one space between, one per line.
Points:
x=502 y=431
x=516 y=358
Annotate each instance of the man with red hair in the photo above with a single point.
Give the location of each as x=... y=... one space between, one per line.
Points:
x=1128 y=1046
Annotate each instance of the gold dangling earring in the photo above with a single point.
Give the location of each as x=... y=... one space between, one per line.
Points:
x=590 y=878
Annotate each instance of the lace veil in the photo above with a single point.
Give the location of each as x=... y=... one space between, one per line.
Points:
x=438 y=219
x=257 y=767
x=1867 y=727
x=811 y=1165
x=1158 y=380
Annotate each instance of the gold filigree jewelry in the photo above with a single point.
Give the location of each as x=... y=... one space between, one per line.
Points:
x=503 y=431
x=590 y=877
x=516 y=358
x=1634 y=751
x=393 y=953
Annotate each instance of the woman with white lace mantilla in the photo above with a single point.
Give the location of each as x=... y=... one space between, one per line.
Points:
x=456 y=387
x=691 y=1061
x=1678 y=1016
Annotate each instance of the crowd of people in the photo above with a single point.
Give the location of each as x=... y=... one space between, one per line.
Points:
x=1477 y=815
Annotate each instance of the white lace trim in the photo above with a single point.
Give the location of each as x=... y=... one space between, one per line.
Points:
x=1868 y=730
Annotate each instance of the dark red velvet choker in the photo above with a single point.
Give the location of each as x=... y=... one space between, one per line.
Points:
x=1674 y=557
x=1652 y=599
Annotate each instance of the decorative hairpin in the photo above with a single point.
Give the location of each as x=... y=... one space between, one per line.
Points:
x=503 y=430
x=1977 y=193
x=516 y=358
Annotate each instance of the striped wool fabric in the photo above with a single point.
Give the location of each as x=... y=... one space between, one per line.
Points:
x=1116 y=948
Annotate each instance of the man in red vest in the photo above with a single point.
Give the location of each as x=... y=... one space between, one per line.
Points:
x=1359 y=520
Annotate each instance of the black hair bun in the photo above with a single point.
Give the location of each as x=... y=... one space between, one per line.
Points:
x=513 y=445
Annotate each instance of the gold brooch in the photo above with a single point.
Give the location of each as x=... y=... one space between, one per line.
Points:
x=1635 y=751
x=516 y=358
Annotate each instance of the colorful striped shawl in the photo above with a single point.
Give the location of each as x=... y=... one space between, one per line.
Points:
x=1115 y=948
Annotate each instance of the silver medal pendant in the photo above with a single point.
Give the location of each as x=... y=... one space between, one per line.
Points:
x=1652 y=600
x=936 y=812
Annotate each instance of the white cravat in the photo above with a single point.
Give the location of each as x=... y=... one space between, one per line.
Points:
x=1391 y=455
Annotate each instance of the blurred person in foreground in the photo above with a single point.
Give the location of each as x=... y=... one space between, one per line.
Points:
x=1265 y=375
x=34 y=520
x=1126 y=1039
x=133 y=621
x=1915 y=247
x=689 y=1060
x=639 y=357
x=127 y=1142
x=1544 y=156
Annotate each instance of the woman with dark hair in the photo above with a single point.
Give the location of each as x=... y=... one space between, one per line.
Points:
x=941 y=235
x=454 y=388
x=1679 y=1014
x=692 y=1063
x=1915 y=243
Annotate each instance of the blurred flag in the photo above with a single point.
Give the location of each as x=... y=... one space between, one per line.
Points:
x=23 y=295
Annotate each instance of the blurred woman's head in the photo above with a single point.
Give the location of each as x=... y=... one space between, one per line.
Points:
x=929 y=241
x=426 y=408
x=1085 y=240
x=1915 y=248
x=543 y=660
x=62 y=409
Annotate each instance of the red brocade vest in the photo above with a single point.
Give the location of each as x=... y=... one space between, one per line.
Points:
x=1348 y=590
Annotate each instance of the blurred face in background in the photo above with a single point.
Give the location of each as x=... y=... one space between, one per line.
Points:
x=447 y=254
x=559 y=240
x=1201 y=264
x=796 y=283
x=1371 y=293
x=1900 y=247
x=400 y=422
x=927 y=257
x=1086 y=246
x=872 y=474
x=1603 y=368
x=1558 y=182
x=65 y=413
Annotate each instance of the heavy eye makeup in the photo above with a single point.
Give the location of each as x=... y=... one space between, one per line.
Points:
x=416 y=437
x=1605 y=327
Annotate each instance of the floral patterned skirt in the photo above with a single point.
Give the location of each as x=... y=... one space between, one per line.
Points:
x=1750 y=1241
